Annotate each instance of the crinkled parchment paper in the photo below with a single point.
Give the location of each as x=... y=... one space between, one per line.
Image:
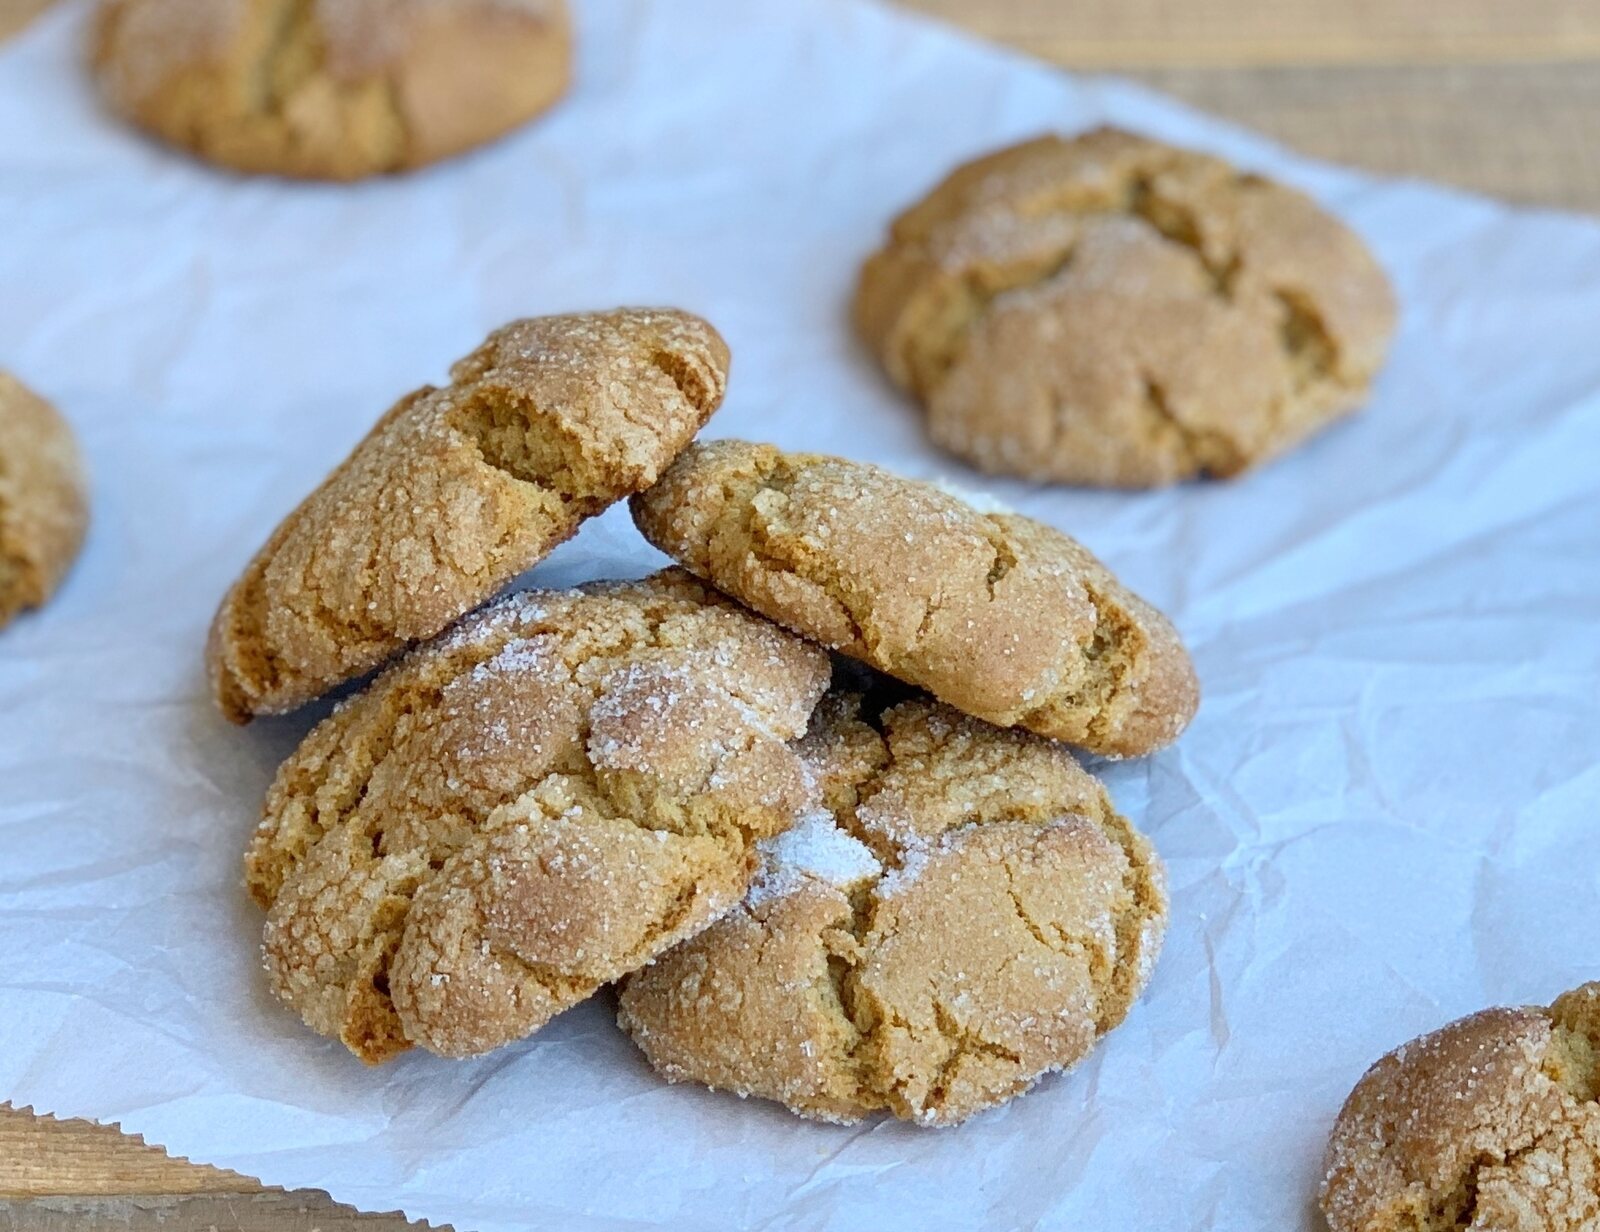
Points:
x=1383 y=817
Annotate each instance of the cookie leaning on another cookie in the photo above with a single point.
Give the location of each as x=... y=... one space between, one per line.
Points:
x=557 y=790
x=330 y=89
x=996 y=614
x=1111 y=310
x=968 y=914
x=43 y=503
x=458 y=490
x=1489 y=1124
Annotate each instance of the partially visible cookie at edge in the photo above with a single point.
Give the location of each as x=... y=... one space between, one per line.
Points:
x=1110 y=310
x=458 y=490
x=330 y=89
x=44 y=506
x=963 y=913
x=1489 y=1124
x=994 y=613
x=555 y=791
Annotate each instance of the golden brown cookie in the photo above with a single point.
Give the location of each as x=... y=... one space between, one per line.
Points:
x=560 y=788
x=1111 y=310
x=331 y=89
x=999 y=615
x=44 y=507
x=968 y=914
x=458 y=490
x=1488 y=1124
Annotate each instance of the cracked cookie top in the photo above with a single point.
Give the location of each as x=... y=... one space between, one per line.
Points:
x=1109 y=310
x=963 y=912
x=331 y=89
x=44 y=507
x=994 y=613
x=557 y=790
x=1489 y=1124
x=458 y=490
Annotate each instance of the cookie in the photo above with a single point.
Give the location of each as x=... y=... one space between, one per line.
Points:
x=1113 y=311
x=330 y=89
x=44 y=509
x=557 y=790
x=996 y=614
x=458 y=490
x=1488 y=1124
x=967 y=914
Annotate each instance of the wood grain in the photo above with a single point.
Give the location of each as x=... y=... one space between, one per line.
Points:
x=220 y=1212
x=41 y=1157
x=1524 y=132
x=1231 y=33
x=59 y=1175
x=1494 y=95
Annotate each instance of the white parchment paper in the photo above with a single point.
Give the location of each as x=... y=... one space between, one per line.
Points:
x=1382 y=818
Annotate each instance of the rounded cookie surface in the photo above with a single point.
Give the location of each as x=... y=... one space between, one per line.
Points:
x=44 y=508
x=560 y=788
x=1489 y=1124
x=966 y=914
x=996 y=614
x=458 y=490
x=1109 y=310
x=330 y=89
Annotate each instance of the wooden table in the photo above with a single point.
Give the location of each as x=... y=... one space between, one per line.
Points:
x=1495 y=95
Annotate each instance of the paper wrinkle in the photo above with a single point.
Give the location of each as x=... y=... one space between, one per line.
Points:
x=1381 y=819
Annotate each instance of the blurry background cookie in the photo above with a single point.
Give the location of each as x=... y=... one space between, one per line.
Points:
x=44 y=507
x=458 y=490
x=548 y=796
x=1488 y=1124
x=996 y=614
x=331 y=89
x=967 y=913
x=1111 y=310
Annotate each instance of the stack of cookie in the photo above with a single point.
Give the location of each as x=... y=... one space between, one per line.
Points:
x=806 y=798
x=891 y=890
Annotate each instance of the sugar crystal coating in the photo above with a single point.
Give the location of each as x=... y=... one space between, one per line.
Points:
x=979 y=917
x=553 y=792
x=1489 y=1124
x=458 y=490
x=1110 y=310
x=996 y=614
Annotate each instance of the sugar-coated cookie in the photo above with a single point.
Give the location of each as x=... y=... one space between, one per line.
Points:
x=560 y=788
x=330 y=89
x=996 y=614
x=965 y=914
x=1110 y=310
x=44 y=508
x=458 y=490
x=1489 y=1124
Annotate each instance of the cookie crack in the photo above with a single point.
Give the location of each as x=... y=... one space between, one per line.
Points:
x=1306 y=339
x=930 y=363
x=689 y=380
x=978 y=295
x=1181 y=226
x=1206 y=451
x=1102 y=966
x=510 y=436
x=1456 y=1210
x=294 y=54
x=1004 y=560
x=833 y=584
x=966 y=1043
